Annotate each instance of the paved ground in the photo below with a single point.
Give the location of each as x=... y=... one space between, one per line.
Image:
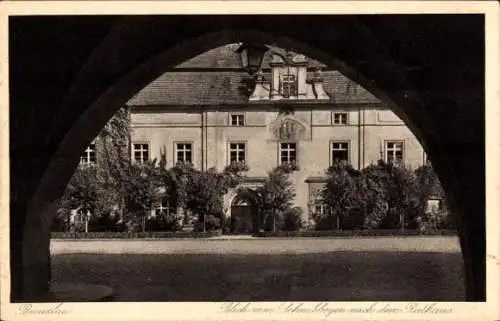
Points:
x=305 y=269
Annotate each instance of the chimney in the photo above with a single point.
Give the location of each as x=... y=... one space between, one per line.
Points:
x=260 y=92
x=317 y=85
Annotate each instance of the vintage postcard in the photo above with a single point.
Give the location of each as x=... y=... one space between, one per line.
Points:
x=249 y=160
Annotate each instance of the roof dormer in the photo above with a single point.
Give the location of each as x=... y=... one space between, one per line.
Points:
x=288 y=80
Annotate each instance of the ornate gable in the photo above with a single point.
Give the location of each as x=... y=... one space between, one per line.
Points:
x=288 y=128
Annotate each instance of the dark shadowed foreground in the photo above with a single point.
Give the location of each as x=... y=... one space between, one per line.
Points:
x=216 y=275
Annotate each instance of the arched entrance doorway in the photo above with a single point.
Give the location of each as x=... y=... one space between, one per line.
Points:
x=243 y=219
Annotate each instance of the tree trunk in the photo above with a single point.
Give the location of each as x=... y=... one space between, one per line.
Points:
x=68 y=221
x=274 y=220
x=86 y=223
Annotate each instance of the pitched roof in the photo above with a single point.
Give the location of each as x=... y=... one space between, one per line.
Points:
x=230 y=88
x=226 y=57
x=216 y=77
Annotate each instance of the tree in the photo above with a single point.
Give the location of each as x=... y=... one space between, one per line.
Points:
x=142 y=191
x=205 y=191
x=99 y=188
x=275 y=196
x=343 y=195
x=113 y=159
x=429 y=188
x=175 y=181
x=82 y=193
x=397 y=187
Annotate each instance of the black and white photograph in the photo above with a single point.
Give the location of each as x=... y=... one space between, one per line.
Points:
x=294 y=160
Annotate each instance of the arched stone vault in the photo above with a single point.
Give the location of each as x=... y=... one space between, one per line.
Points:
x=60 y=99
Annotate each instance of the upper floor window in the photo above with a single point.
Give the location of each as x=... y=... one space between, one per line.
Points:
x=237 y=152
x=237 y=120
x=288 y=86
x=88 y=156
x=340 y=151
x=184 y=153
x=394 y=152
x=340 y=118
x=288 y=153
x=141 y=153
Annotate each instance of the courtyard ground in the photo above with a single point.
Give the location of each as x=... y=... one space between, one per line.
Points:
x=290 y=269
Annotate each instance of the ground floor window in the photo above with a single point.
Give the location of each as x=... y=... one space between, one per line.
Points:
x=184 y=153
x=89 y=155
x=237 y=152
x=163 y=208
x=141 y=152
x=339 y=152
x=394 y=152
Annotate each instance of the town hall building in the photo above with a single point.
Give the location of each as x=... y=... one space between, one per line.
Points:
x=210 y=112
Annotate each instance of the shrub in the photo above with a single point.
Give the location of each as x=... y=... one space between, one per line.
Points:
x=132 y=235
x=105 y=223
x=291 y=220
x=212 y=223
x=170 y=223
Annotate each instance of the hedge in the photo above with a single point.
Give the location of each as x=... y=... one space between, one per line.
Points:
x=326 y=233
x=357 y=233
x=130 y=235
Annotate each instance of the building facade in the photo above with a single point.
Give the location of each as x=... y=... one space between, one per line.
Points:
x=210 y=112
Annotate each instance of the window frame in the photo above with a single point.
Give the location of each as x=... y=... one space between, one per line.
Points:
x=86 y=155
x=320 y=203
x=148 y=150
x=346 y=113
x=335 y=141
x=243 y=115
x=245 y=151
x=280 y=161
x=159 y=207
x=386 y=150
x=295 y=86
x=176 y=150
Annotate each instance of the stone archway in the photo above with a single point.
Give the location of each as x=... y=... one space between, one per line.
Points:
x=243 y=220
x=442 y=104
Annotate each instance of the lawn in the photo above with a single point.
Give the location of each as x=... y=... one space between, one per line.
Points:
x=261 y=270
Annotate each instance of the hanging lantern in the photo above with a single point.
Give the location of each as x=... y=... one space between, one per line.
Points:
x=251 y=56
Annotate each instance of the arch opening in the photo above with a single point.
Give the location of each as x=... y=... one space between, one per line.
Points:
x=243 y=215
x=95 y=116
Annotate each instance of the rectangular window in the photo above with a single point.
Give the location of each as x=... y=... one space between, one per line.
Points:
x=237 y=120
x=236 y=152
x=340 y=152
x=320 y=208
x=394 y=152
x=339 y=118
x=141 y=153
x=184 y=153
x=288 y=153
x=88 y=155
x=288 y=86
x=163 y=209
